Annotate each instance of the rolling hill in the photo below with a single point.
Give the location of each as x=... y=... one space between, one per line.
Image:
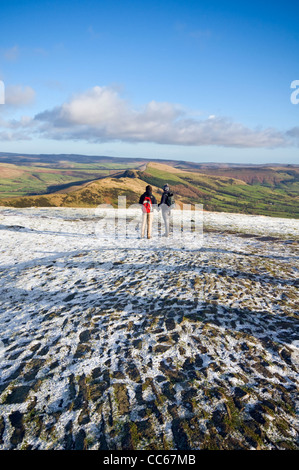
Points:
x=78 y=181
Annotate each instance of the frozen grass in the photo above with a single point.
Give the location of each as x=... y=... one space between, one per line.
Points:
x=129 y=343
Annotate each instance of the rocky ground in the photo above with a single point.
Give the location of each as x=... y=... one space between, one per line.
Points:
x=142 y=344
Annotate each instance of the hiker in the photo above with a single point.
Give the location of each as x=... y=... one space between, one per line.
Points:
x=147 y=200
x=166 y=205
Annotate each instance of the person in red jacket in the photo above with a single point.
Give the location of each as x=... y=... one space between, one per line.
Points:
x=148 y=201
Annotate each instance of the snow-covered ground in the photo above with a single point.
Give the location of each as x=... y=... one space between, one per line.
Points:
x=112 y=341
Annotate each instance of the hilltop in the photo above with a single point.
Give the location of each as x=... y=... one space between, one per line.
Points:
x=136 y=344
x=78 y=181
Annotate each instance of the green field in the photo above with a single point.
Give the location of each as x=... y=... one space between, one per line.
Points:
x=228 y=194
x=252 y=189
x=36 y=180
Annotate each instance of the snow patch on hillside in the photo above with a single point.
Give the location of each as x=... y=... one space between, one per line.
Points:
x=122 y=342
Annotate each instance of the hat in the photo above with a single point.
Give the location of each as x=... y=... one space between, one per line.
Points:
x=166 y=187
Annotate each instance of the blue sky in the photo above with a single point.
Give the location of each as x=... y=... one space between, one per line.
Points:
x=189 y=80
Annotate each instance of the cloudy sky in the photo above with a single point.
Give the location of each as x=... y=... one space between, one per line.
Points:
x=192 y=80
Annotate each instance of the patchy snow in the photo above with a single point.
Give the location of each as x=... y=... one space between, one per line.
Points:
x=112 y=341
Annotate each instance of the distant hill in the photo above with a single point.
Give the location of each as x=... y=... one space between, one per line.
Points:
x=87 y=181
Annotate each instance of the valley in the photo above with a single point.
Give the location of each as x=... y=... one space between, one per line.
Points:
x=82 y=181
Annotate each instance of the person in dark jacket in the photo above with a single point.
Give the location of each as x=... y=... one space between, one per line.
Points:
x=165 y=208
x=148 y=201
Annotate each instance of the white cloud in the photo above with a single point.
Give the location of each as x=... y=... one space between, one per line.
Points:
x=100 y=114
x=294 y=134
x=19 y=95
x=14 y=130
x=13 y=136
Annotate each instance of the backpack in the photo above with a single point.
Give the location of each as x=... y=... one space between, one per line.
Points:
x=147 y=204
x=170 y=200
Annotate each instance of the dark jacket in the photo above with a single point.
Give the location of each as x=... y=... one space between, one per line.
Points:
x=164 y=197
x=147 y=194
